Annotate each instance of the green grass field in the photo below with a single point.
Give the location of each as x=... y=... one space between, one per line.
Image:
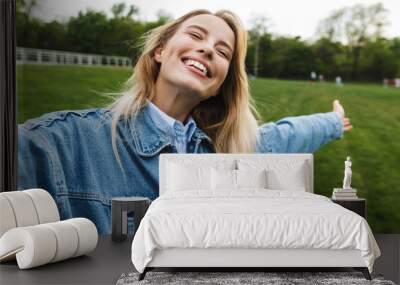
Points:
x=374 y=111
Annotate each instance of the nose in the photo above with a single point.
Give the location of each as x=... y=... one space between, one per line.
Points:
x=206 y=50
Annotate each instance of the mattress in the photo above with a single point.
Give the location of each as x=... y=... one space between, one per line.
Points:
x=251 y=219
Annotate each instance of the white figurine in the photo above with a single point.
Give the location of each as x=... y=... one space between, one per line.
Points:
x=347 y=174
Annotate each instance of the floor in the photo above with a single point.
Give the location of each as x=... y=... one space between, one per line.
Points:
x=389 y=262
x=110 y=259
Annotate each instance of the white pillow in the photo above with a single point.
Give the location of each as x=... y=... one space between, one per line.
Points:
x=226 y=179
x=182 y=177
x=287 y=174
x=251 y=178
x=223 y=179
x=294 y=179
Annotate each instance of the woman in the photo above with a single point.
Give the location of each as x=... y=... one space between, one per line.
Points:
x=188 y=93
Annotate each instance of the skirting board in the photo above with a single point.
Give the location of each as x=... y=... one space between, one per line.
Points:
x=232 y=257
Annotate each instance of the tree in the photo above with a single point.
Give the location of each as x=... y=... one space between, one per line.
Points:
x=394 y=46
x=28 y=28
x=290 y=58
x=52 y=35
x=133 y=10
x=264 y=45
x=117 y=9
x=259 y=28
x=88 y=32
x=326 y=54
x=355 y=26
x=27 y=7
x=377 y=60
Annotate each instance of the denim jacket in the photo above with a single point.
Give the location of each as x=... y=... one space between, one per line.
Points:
x=69 y=154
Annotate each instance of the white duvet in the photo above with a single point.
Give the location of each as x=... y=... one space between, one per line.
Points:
x=252 y=218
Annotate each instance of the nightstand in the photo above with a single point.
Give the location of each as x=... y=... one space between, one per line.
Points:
x=358 y=205
x=121 y=207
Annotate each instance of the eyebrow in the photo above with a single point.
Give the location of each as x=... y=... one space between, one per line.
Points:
x=206 y=32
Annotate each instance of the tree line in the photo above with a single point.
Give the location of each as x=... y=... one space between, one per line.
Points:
x=350 y=41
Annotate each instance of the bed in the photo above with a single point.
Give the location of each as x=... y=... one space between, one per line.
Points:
x=247 y=210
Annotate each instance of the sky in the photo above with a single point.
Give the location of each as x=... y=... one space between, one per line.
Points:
x=286 y=17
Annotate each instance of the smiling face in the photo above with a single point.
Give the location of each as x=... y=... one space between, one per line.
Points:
x=196 y=58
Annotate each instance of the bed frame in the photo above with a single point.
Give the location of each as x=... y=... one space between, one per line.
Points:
x=246 y=258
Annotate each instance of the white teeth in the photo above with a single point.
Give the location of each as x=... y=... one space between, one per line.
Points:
x=197 y=64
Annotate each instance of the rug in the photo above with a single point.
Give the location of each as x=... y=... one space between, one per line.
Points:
x=244 y=278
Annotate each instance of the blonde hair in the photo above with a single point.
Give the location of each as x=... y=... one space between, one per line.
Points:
x=228 y=118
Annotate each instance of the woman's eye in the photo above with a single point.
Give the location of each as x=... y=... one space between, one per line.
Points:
x=224 y=54
x=195 y=35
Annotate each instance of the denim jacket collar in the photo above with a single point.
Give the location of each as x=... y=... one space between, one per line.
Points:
x=150 y=140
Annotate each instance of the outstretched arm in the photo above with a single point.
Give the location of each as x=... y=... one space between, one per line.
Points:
x=303 y=134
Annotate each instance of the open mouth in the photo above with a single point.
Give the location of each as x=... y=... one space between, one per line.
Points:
x=197 y=66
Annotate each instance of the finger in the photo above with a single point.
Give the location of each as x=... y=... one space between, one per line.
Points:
x=348 y=128
x=335 y=103
x=337 y=106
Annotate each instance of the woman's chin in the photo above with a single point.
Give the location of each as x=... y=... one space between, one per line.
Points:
x=194 y=89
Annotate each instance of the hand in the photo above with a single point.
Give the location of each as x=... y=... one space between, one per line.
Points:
x=338 y=108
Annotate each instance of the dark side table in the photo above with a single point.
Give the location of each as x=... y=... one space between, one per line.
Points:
x=121 y=207
x=358 y=205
